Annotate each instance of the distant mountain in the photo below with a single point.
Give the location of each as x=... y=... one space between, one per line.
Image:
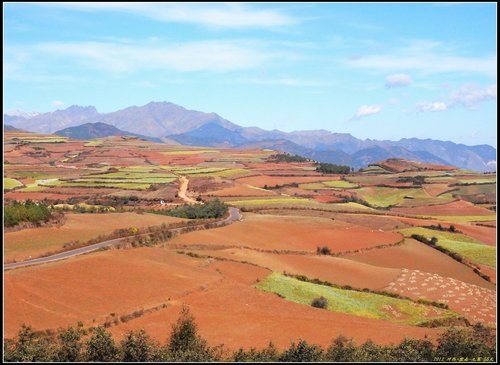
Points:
x=51 y=122
x=158 y=119
x=175 y=124
x=98 y=130
x=8 y=127
x=21 y=114
x=210 y=134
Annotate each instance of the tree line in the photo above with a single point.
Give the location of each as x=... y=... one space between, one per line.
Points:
x=75 y=344
x=28 y=211
x=212 y=209
x=331 y=168
x=286 y=157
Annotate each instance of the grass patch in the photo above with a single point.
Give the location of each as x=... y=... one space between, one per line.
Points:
x=356 y=303
x=271 y=201
x=9 y=184
x=383 y=197
x=94 y=143
x=463 y=245
x=188 y=152
x=84 y=207
x=464 y=218
x=340 y=184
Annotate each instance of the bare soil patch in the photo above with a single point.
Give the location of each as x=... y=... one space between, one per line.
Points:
x=415 y=255
x=271 y=232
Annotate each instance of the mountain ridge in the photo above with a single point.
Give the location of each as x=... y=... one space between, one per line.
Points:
x=170 y=122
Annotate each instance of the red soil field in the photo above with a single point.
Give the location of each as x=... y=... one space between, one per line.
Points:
x=33 y=242
x=415 y=255
x=436 y=189
x=333 y=269
x=262 y=180
x=90 y=287
x=290 y=233
x=481 y=233
x=36 y=196
x=327 y=198
x=385 y=223
x=459 y=207
x=296 y=167
x=477 y=304
x=398 y=165
x=240 y=190
x=238 y=315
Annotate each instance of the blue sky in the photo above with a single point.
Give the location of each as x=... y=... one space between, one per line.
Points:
x=379 y=71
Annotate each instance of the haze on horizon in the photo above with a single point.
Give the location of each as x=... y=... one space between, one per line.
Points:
x=379 y=71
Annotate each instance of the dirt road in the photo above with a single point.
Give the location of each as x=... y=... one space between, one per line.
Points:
x=234 y=215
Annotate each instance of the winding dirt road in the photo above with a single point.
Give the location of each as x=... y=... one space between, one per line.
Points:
x=183 y=191
x=234 y=215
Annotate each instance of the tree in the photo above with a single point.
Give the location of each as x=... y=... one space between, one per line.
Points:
x=70 y=346
x=341 y=350
x=472 y=343
x=101 y=346
x=186 y=345
x=29 y=347
x=302 y=352
x=138 y=347
x=411 y=350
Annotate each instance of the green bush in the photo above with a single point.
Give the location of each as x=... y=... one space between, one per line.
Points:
x=25 y=212
x=212 y=209
x=320 y=302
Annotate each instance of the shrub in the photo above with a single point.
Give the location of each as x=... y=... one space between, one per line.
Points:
x=302 y=352
x=320 y=302
x=323 y=250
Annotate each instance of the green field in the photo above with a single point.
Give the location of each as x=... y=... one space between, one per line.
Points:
x=291 y=202
x=272 y=201
x=383 y=197
x=84 y=206
x=333 y=185
x=341 y=184
x=481 y=180
x=464 y=218
x=188 y=152
x=352 y=302
x=92 y=184
x=41 y=139
x=9 y=184
x=465 y=246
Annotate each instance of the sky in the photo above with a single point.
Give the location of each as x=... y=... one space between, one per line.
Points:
x=378 y=71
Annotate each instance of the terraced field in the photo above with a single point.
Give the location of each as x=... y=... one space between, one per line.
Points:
x=352 y=302
x=294 y=220
x=9 y=183
x=465 y=246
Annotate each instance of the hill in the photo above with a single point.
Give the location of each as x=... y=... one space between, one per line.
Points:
x=98 y=130
x=174 y=124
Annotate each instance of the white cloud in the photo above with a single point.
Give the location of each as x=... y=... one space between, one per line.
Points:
x=425 y=56
x=366 y=110
x=433 y=106
x=468 y=96
x=286 y=81
x=229 y=15
x=214 y=56
x=397 y=80
x=471 y=95
x=57 y=103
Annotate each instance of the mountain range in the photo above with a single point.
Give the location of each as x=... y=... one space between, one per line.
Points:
x=171 y=123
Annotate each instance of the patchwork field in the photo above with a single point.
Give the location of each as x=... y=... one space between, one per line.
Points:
x=352 y=231
x=288 y=233
x=34 y=242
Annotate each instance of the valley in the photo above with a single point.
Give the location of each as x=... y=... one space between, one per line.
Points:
x=399 y=249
